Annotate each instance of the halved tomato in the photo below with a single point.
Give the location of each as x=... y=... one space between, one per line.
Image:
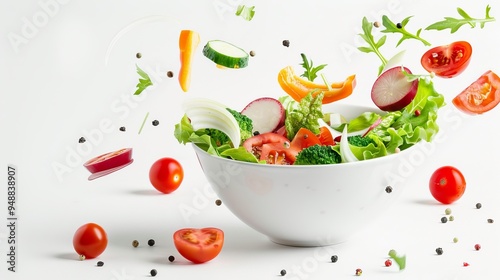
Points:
x=447 y=61
x=271 y=147
x=304 y=138
x=481 y=96
x=199 y=245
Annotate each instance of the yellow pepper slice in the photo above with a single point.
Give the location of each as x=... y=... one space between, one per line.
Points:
x=298 y=87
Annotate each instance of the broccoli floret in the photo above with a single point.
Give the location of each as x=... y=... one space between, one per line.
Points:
x=317 y=154
x=219 y=137
x=359 y=141
x=245 y=124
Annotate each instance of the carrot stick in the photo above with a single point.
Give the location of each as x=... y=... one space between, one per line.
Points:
x=188 y=42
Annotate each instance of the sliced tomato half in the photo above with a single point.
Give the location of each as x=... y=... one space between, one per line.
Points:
x=325 y=136
x=481 y=96
x=272 y=148
x=199 y=245
x=447 y=61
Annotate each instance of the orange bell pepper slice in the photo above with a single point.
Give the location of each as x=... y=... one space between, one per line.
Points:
x=188 y=42
x=298 y=87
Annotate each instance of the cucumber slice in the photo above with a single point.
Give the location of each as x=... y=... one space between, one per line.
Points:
x=225 y=54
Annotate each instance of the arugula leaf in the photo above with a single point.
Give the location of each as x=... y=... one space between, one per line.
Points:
x=306 y=114
x=399 y=259
x=391 y=27
x=455 y=23
x=144 y=81
x=245 y=12
x=373 y=46
x=310 y=71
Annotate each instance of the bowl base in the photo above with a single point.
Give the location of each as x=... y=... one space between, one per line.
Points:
x=298 y=243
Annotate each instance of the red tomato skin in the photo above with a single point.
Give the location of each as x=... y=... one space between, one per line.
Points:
x=199 y=251
x=166 y=175
x=447 y=61
x=90 y=240
x=304 y=138
x=447 y=184
x=326 y=137
x=488 y=87
x=260 y=146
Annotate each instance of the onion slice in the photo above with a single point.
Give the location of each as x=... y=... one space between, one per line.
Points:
x=345 y=151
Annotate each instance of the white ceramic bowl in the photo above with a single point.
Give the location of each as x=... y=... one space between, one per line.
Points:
x=308 y=205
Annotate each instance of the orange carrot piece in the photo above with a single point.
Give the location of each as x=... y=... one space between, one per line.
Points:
x=188 y=42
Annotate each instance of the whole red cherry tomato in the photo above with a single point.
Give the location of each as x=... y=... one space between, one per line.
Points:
x=447 y=184
x=166 y=175
x=90 y=240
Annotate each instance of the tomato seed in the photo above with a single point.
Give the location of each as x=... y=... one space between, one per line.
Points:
x=477 y=247
x=170 y=74
x=171 y=258
x=81 y=140
x=100 y=263
x=334 y=258
x=479 y=205
x=439 y=251
x=283 y=272
x=151 y=242
x=135 y=243
x=286 y=43
x=153 y=272
x=388 y=189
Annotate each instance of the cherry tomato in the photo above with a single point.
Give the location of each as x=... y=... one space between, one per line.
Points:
x=166 y=175
x=481 y=96
x=325 y=136
x=271 y=147
x=90 y=240
x=304 y=138
x=447 y=184
x=199 y=245
x=447 y=61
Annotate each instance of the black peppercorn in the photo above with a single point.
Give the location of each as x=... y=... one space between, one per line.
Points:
x=283 y=272
x=153 y=272
x=388 y=189
x=334 y=258
x=286 y=43
x=100 y=263
x=156 y=122
x=399 y=25
x=171 y=258
x=151 y=242
x=439 y=251
x=81 y=140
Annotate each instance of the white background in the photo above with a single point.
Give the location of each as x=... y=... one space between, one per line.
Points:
x=68 y=70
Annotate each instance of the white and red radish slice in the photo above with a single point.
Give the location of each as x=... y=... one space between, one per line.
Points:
x=392 y=90
x=267 y=114
x=108 y=163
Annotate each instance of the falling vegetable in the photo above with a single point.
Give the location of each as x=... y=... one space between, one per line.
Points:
x=188 y=42
x=144 y=80
x=245 y=12
x=455 y=23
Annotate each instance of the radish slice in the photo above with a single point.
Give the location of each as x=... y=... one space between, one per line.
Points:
x=375 y=124
x=267 y=114
x=392 y=91
x=206 y=113
x=345 y=151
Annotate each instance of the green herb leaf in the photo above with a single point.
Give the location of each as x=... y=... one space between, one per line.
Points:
x=144 y=81
x=310 y=72
x=373 y=46
x=399 y=259
x=245 y=12
x=455 y=23
x=391 y=27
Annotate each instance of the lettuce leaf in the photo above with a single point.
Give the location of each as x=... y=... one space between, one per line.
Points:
x=303 y=114
x=404 y=128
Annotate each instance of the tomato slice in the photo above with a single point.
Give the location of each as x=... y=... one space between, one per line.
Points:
x=199 y=245
x=304 y=138
x=271 y=147
x=325 y=136
x=481 y=96
x=447 y=61
x=109 y=160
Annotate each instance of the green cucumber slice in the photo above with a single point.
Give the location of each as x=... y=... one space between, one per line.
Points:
x=225 y=54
